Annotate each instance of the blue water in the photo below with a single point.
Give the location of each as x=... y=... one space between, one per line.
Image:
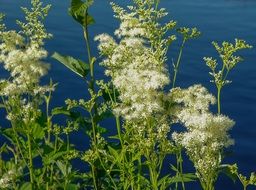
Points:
x=218 y=20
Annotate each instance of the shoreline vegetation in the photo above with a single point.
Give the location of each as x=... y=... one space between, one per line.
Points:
x=37 y=153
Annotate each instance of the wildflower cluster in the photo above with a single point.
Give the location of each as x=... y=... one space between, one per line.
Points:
x=132 y=61
x=206 y=134
x=135 y=60
x=8 y=178
x=22 y=58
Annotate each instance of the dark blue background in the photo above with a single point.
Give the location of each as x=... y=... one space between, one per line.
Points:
x=218 y=20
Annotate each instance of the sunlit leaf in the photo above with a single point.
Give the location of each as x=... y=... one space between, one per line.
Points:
x=79 y=11
x=76 y=65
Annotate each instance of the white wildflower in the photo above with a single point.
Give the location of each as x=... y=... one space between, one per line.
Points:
x=206 y=134
x=137 y=71
x=7 y=179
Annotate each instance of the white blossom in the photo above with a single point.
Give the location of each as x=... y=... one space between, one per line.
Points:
x=137 y=70
x=206 y=134
x=7 y=179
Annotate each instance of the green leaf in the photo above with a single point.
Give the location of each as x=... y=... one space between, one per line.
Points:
x=188 y=177
x=52 y=157
x=62 y=167
x=113 y=137
x=163 y=182
x=8 y=134
x=38 y=132
x=72 y=187
x=174 y=168
x=76 y=65
x=101 y=130
x=79 y=11
x=26 y=186
x=61 y=111
x=115 y=153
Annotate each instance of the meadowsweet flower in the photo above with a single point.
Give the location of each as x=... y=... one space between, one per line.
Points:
x=25 y=67
x=206 y=134
x=21 y=54
x=7 y=178
x=137 y=70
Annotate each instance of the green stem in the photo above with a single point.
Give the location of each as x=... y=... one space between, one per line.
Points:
x=119 y=130
x=218 y=97
x=94 y=177
x=31 y=169
x=177 y=172
x=139 y=171
x=91 y=63
x=106 y=170
x=93 y=131
x=66 y=164
x=55 y=150
x=176 y=67
x=181 y=170
x=47 y=101
x=153 y=178
x=156 y=4
x=15 y=133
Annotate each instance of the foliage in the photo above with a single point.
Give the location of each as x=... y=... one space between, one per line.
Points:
x=38 y=152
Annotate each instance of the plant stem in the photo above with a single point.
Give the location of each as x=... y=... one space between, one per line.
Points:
x=153 y=178
x=31 y=169
x=156 y=4
x=94 y=177
x=119 y=130
x=176 y=67
x=55 y=150
x=106 y=170
x=181 y=169
x=91 y=86
x=139 y=172
x=48 y=120
x=219 y=105
x=91 y=63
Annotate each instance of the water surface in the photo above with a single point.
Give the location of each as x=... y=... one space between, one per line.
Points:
x=218 y=20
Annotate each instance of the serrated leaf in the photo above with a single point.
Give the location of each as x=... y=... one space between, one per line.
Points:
x=38 y=132
x=79 y=6
x=114 y=152
x=79 y=11
x=76 y=65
